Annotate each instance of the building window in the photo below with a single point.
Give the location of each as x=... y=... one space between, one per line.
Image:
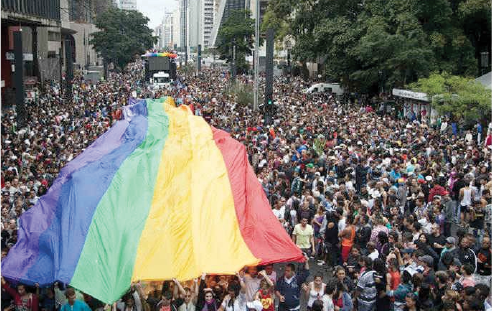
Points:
x=53 y=36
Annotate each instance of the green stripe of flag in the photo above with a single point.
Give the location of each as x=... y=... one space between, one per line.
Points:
x=111 y=244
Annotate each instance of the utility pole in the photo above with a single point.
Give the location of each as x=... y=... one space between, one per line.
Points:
x=199 y=58
x=256 y=58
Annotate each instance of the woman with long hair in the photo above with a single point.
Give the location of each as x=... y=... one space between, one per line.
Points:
x=341 y=275
x=315 y=290
x=393 y=276
x=342 y=299
x=206 y=300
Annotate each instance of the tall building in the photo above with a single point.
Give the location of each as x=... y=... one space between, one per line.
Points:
x=223 y=10
x=183 y=25
x=158 y=33
x=193 y=25
x=176 y=30
x=208 y=22
x=167 y=30
x=200 y=23
x=128 y=5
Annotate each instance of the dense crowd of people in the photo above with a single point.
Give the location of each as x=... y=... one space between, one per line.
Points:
x=394 y=211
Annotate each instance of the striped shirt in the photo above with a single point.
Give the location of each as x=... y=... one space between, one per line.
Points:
x=367 y=287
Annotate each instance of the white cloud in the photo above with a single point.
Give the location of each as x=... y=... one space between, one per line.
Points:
x=154 y=9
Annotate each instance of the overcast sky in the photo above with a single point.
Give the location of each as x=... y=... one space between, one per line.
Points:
x=154 y=9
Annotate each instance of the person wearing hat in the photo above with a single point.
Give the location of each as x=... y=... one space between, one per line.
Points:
x=427 y=262
x=449 y=246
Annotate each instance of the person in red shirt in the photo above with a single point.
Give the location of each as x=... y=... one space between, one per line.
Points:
x=23 y=300
x=438 y=189
x=488 y=140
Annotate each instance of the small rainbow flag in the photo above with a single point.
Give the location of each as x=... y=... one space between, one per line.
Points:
x=164 y=54
x=161 y=195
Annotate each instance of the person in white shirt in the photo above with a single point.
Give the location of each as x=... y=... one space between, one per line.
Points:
x=328 y=297
x=444 y=126
x=314 y=290
x=468 y=137
x=279 y=210
x=372 y=251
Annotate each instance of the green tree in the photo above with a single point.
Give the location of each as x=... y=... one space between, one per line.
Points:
x=279 y=24
x=238 y=30
x=369 y=45
x=122 y=35
x=459 y=96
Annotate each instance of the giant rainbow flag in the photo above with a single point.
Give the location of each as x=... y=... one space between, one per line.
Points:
x=161 y=195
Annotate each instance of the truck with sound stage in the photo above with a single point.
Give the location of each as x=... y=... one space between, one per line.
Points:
x=160 y=69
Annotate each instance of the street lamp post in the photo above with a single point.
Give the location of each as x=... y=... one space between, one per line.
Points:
x=233 y=73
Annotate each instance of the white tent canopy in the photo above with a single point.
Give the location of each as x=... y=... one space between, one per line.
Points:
x=486 y=80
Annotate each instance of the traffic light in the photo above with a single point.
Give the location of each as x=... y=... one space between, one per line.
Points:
x=268 y=102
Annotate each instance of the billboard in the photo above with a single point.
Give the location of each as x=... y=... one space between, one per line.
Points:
x=158 y=63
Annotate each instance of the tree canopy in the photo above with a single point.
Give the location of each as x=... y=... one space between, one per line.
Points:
x=369 y=45
x=459 y=96
x=237 y=30
x=122 y=34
